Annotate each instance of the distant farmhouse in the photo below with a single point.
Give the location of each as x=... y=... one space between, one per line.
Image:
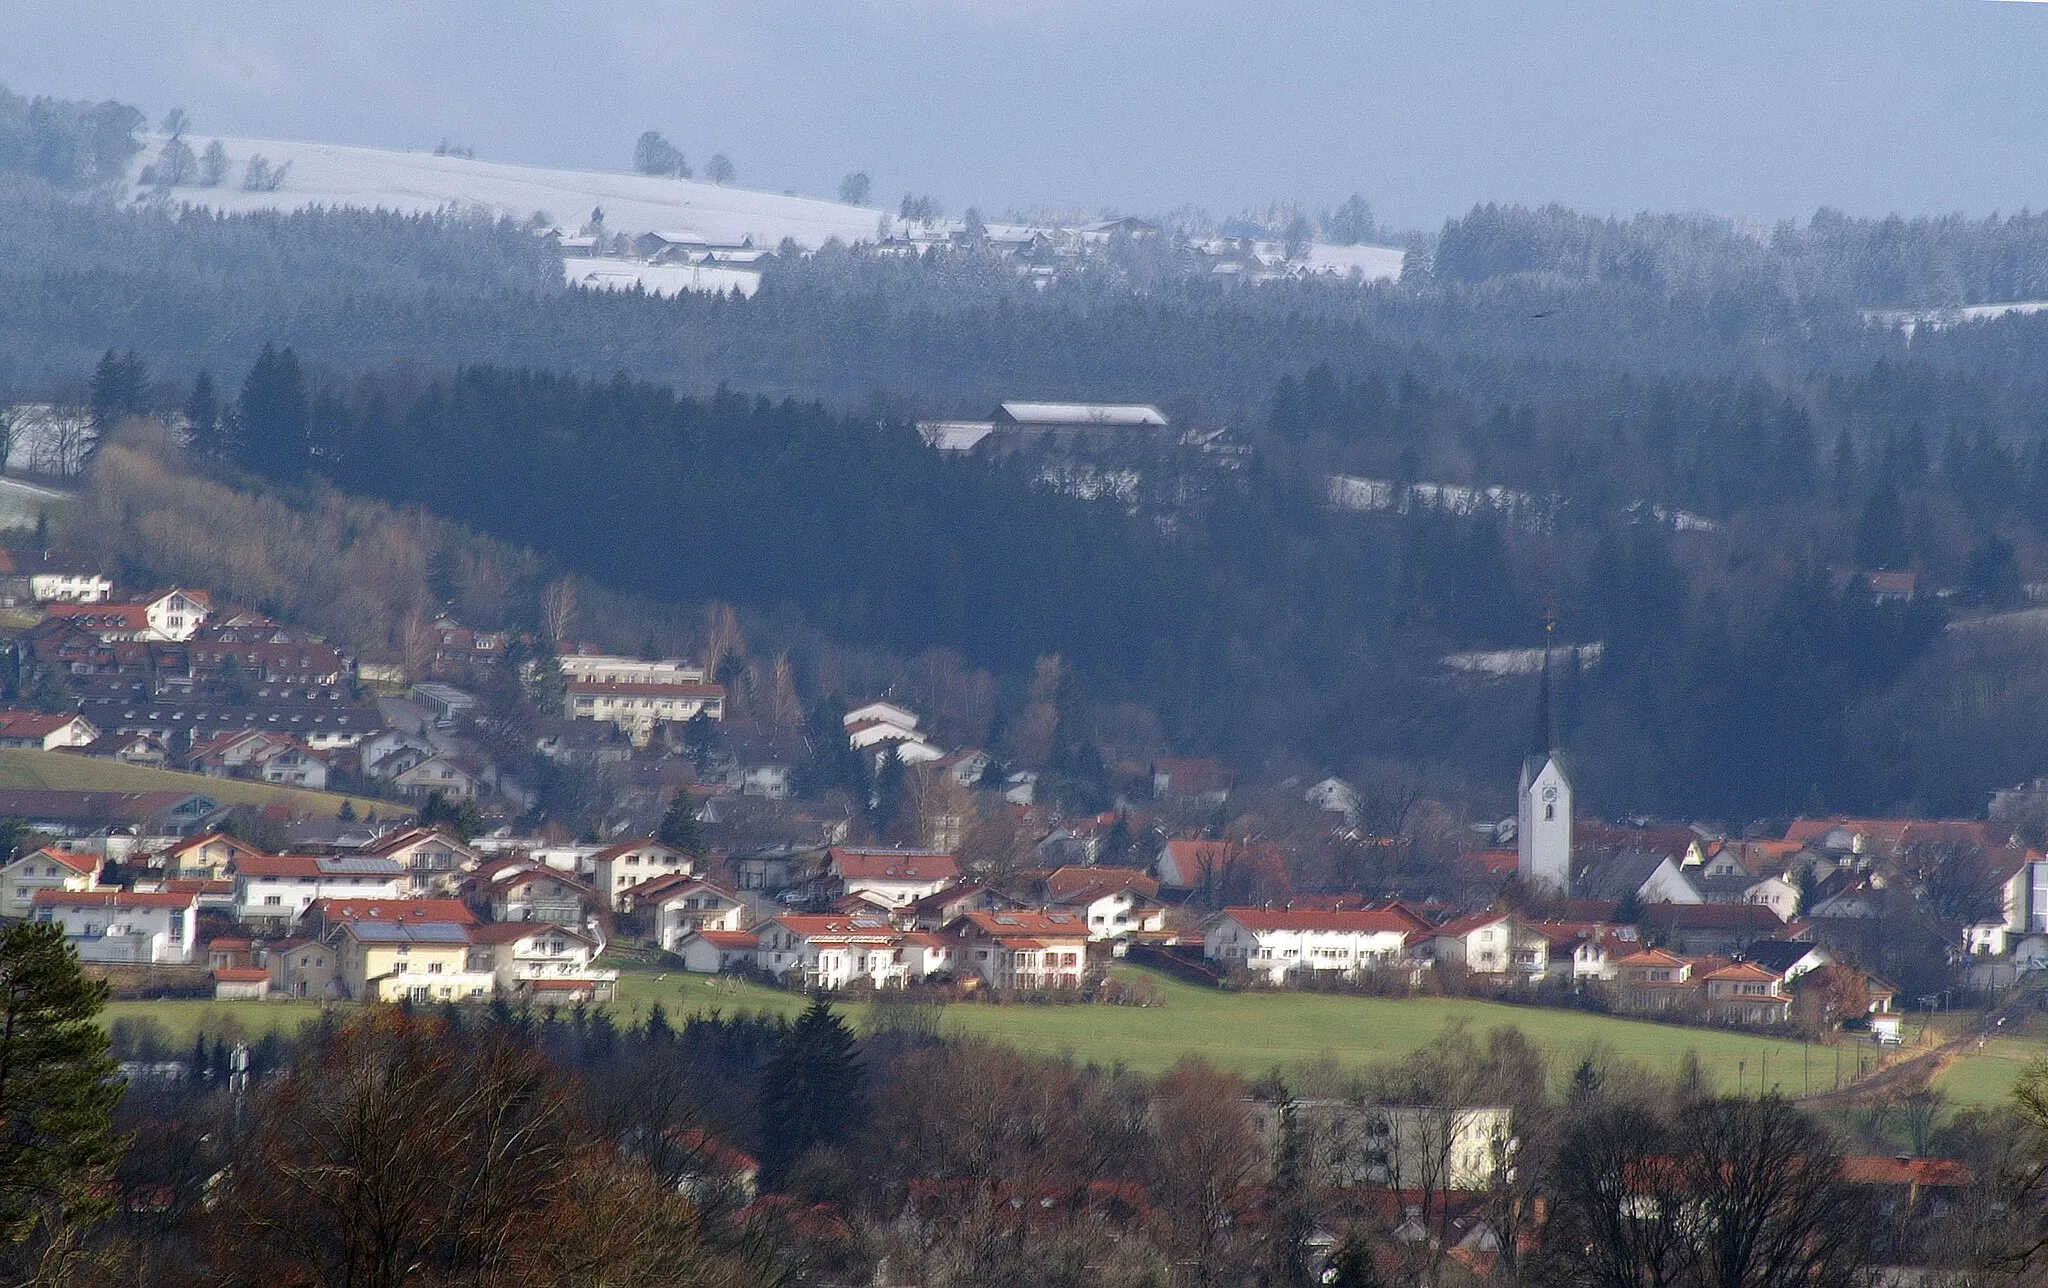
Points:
x=1063 y=427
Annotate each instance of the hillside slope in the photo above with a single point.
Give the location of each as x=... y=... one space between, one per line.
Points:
x=332 y=174
x=63 y=772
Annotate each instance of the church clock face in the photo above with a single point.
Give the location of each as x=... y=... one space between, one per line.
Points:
x=1550 y=793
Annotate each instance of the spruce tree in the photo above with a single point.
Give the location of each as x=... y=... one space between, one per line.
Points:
x=811 y=1091
x=58 y=1087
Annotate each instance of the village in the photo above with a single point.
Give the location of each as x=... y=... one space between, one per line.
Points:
x=712 y=863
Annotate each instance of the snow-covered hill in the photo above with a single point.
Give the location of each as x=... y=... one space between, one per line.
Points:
x=333 y=174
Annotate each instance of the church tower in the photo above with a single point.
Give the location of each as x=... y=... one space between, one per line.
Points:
x=1543 y=807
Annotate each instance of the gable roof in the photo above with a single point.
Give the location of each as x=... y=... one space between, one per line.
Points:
x=1037 y=925
x=1067 y=883
x=511 y=932
x=110 y=899
x=1362 y=922
x=280 y=866
x=84 y=865
x=858 y=864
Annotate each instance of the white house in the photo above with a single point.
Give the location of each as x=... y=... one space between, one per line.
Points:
x=895 y=877
x=637 y=708
x=684 y=907
x=121 y=926
x=278 y=888
x=1033 y=950
x=44 y=731
x=521 y=955
x=1114 y=902
x=710 y=952
x=433 y=859
x=45 y=869
x=618 y=868
x=831 y=951
x=1276 y=943
x=1488 y=943
x=1334 y=795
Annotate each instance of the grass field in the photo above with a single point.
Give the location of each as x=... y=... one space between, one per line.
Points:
x=56 y=769
x=1248 y=1032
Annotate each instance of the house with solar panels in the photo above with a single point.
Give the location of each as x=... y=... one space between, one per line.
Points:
x=382 y=961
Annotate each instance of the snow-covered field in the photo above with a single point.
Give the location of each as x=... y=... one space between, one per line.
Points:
x=1911 y=320
x=334 y=174
x=658 y=279
x=1374 y=263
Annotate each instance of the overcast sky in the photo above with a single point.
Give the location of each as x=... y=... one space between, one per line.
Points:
x=1757 y=108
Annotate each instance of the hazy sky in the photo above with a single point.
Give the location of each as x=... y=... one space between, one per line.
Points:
x=1761 y=108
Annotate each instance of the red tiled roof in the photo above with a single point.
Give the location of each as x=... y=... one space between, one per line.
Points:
x=1360 y=922
x=730 y=938
x=1879 y=1170
x=1063 y=882
x=892 y=865
x=1037 y=925
x=241 y=974
x=507 y=932
x=84 y=865
x=395 y=911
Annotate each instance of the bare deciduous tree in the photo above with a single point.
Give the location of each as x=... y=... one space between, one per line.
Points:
x=558 y=611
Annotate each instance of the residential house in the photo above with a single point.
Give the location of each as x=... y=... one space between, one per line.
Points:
x=1583 y=952
x=882 y=727
x=1279 y=944
x=940 y=910
x=1197 y=780
x=714 y=952
x=167 y=615
x=2013 y=872
x=678 y=908
x=1709 y=928
x=44 y=576
x=1746 y=993
x=24 y=728
x=206 y=856
x=1186 y=864
x=434 y=859
x=637 y=708
x=894 y=876
x=142 y=749
x=1488 y=943
x=1788 y=959
x=45 y=869
x=123 y=926
x=278 y=889
x=1648 y=876
x=418 y=962
x=1029 y=950
x=536 y=957
x=1115 y=902
x=618 y=868
x=822 y=950
x=168 y=813
x=441 y=775
x=529 y=891
x=1653 y=981
x=303 y=968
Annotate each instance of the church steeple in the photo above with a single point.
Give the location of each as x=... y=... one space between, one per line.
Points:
x=1543 y=739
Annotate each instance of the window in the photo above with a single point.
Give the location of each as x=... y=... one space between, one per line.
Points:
x=1549 y=813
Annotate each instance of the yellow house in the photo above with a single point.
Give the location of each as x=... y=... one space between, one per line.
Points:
x=423 y=962
x=207 y=856
x=45 y=869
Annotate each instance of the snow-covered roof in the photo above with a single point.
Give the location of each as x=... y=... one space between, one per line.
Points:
x=1057 y=413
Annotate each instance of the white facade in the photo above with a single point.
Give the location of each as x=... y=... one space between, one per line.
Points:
x=602 y=669
x=621 y=867
x=280 y=889
x=535 y=951
x=71 y=587
x=1276 y=944
x=45 y=869
x=176 y=615
x=1116 y=913
x=832 y=952
x=1543 y=826
x=677 y=914
x=117 y=926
